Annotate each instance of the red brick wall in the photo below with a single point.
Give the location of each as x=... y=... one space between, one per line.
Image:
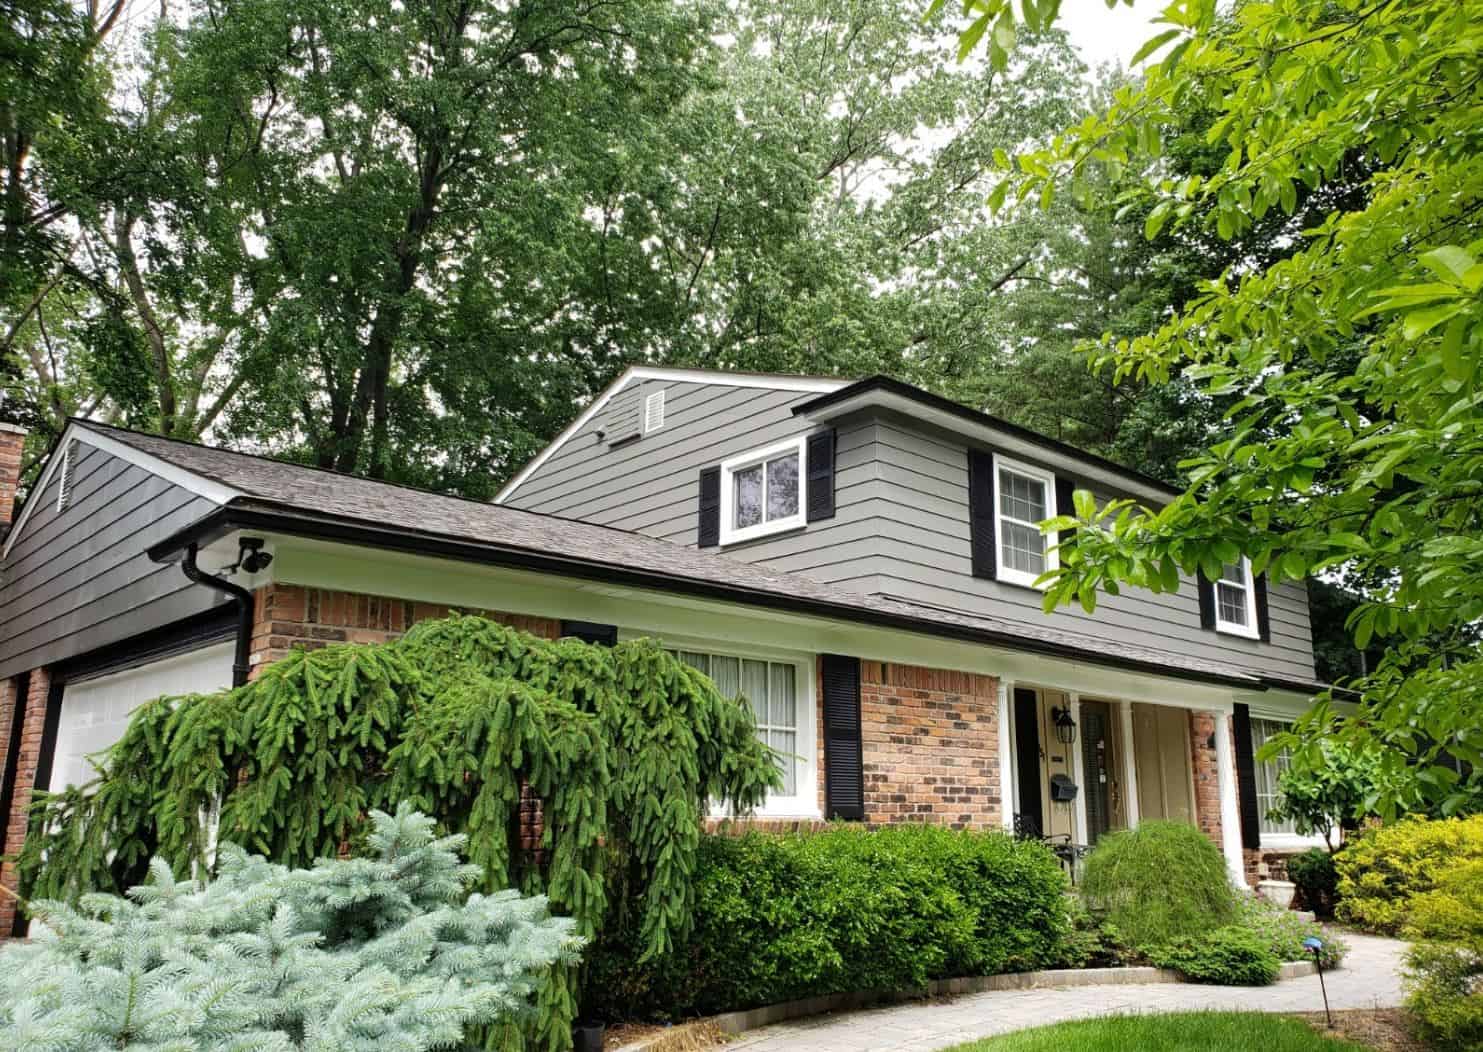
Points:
x=1207 y=780
x=292 y=616
x=30 y=751
x=12 y=441
x=930 y=741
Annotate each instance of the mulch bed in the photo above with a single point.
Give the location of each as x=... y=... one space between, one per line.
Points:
x=1384 y=1029
x=687 y=1037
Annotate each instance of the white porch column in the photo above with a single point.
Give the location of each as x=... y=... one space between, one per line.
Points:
x=1230 y=822
x=1007 y=786
x=1130 y=762
x=1077 y=768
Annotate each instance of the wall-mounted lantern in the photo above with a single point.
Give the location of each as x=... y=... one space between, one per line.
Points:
x=1065 y=725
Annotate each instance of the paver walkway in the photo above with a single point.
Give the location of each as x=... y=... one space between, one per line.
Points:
x=1370 y=978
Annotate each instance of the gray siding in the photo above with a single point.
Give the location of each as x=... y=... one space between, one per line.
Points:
x=652 y=485
x=901 y=526
x=78 y=579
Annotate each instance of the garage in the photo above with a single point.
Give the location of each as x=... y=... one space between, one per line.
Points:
x=95 y=710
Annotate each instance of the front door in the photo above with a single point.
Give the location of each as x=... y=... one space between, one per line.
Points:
x=1099 y=773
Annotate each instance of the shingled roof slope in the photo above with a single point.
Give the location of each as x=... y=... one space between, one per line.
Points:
x=313 y=494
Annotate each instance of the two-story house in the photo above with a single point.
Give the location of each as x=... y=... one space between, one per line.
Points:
x=857 y=559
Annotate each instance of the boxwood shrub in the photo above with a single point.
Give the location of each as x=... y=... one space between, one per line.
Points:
x=785 y=917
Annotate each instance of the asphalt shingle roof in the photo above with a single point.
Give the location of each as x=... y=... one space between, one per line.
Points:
x=315 y=495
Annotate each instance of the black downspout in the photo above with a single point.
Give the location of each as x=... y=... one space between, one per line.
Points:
x=241 y=661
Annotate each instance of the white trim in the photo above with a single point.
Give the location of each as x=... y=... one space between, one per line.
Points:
x=1006 y=759
x=213 y=491
x=654 y=411
x=1077 y=766
x=1230 y=821
x=731 y=534
x=68 y=469
x=804 y=384
x=1130 y=762
x=1250 y=630
x=1048 y=480
x=805 y=803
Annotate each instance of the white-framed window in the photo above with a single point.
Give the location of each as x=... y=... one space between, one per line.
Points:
x=654 y=411
x=1267 y=774
x=1235 y=601
x=780 y=690
x=1023 y=497
x=762 y=492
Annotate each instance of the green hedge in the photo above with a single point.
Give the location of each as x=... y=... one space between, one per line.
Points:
x=785 y=917
x=1383 y=870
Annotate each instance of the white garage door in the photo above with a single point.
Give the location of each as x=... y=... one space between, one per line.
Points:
x=96 y=711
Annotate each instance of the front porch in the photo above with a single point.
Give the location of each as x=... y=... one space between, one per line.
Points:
x=1081 y=765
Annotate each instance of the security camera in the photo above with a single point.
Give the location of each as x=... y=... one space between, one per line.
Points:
x=251 y=556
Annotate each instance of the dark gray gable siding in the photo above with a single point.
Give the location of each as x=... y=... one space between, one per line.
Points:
x=650 y=486
x=78 y=579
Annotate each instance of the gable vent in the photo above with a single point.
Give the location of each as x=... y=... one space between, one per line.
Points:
x=64 y=476
x=654 y=411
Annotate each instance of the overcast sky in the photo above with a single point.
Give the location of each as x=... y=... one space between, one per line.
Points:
x=1109 y=36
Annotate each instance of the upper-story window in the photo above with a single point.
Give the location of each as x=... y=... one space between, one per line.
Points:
x=1235 y=600
x=762 y=492
x=1022 y=500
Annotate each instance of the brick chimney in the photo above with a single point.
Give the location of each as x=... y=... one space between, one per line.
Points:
x=12 y=440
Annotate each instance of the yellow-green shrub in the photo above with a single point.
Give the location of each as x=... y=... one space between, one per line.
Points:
x=1445 y=977
x=1382 y=872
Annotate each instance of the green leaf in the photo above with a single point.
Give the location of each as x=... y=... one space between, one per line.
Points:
x=1156 y=219
x=1153 y=44
x=1449 y=263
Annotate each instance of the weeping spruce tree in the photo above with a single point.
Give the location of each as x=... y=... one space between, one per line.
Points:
x=625 y=747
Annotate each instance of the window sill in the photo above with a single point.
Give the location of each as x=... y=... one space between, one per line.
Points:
x=757 y=533
x=1291 y=842
x=1026 y=582
x=1239 y=631
x=785 y=810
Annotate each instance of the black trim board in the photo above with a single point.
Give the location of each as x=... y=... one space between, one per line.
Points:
x=13 y=752
x=192 y=633
x=266 y=515
x=890 y=385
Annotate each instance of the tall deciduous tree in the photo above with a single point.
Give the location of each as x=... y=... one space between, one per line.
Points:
x=1355 y=440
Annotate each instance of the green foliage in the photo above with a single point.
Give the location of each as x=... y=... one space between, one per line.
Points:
x=385 y=951
x=1172 y=1032
x=1232 y=955
x=1283 y=931
x=1445 y=973
x=1317 y=879
x=1333 y=788
x=780 y=918
x=1382 y=872
x=1354 y=440
x=1161 y=881
x=625 y=747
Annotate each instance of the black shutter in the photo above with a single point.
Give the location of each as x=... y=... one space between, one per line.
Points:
x=708 y=532
x=1263 y=617
x=590 y=632
x=981 y=512
x=1207 y=601
x=820 y=474
x=844 y=776
x=1065 y=504
x=1027 y=757
x=1251 y=829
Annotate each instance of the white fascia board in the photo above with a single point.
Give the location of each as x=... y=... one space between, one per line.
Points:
x=401 y=575
x=213 y=491
x=719 y=377
x=1000 y=441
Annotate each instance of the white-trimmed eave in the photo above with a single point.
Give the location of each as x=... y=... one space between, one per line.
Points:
x=719 y=377
x=1002 y=441
x=216 y=492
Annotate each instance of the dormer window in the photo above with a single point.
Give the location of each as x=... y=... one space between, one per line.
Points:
x=1235 y=600
x=762 y=492
x=1022 y=500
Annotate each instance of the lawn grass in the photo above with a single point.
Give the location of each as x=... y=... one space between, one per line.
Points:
x=1176 y=1032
